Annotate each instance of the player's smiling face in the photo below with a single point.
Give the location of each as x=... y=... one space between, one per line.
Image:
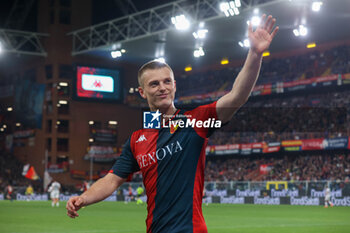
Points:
x=159 y=88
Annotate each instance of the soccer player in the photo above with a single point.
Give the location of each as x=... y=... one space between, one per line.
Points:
x=29 y=192
x=139 y=191
x=327 y=198
x=54 y=191
x=130 y=195
x=9 y=192
x=172 y=160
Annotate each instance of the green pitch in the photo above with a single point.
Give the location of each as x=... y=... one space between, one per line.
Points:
x=40 y=217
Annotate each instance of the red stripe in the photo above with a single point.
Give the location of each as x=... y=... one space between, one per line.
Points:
x=149 y=171
x=198 y=222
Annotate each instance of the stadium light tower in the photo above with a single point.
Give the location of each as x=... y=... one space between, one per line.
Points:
x=316 y=6
x=300 y=31
x=245 y=43
x=230 y=8
x=201 y=32
x=180 y=22
x=198 y=52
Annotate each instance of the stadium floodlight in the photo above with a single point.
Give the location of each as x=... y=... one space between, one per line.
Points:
x=18 y=124
x=116 y=54
x=316 y=6
x=4 y=126
x=245 y=43
x=300 y=31
x=91 y=140
x=2 y=129
x=58 y=122
x=198 y=52
x=63 y=102
x=9 y=109
x=256 y=11
x=91 y=122
x=180 y=22
x=230 y=8
x=113 y=122
x=238 y=3
x=255 y=21
x=200 y=34
x=160 y=59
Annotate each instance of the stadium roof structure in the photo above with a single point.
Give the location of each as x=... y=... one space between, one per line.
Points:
x=143 y=33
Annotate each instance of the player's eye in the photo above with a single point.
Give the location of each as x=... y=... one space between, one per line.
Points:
x=153 y=84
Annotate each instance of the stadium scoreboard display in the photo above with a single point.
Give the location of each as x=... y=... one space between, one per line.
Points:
x=98 y=84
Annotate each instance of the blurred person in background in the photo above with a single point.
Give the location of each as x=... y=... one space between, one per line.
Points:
x=29 y=192
x=139 y=191
x=327 y=198
x=9 y=192
x=54 y=191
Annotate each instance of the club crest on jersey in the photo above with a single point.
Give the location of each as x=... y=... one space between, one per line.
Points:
x=174 y=126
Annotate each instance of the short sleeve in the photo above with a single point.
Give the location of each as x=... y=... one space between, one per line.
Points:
x=205 y=113
x=126 y=164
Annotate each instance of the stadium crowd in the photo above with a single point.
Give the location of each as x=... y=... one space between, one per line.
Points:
x=291 y=167
x=297 y=117
x=312 y=64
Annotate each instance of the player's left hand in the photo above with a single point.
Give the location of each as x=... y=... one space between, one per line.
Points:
x=261 y=38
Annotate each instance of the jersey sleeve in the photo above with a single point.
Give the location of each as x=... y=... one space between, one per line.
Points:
x=126 y=164
x=205 y=113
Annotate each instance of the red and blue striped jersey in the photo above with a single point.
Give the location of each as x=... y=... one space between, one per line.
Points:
x=172 y=162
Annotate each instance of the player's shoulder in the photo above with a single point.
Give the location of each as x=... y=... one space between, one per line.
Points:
x=142 y=134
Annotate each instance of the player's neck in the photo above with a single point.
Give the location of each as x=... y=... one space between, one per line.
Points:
x=166 y=112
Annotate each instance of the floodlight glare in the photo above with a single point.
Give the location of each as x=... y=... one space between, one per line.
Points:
x=0 y=47
x=116 y=54
x=255 y=21
x=296 y=32
x=303 y=30
x=238 y=3
x=200 y=34
x=198 y=52
x=316 y=6
x=246 y=43
x=230 y=8
x=256 y=11
x=180 y=22
x=300 y=31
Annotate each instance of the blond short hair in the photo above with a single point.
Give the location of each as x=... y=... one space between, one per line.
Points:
x=151 y=65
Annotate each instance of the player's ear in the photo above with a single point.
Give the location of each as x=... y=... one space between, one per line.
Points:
x=142 y=93
x=175 y=85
